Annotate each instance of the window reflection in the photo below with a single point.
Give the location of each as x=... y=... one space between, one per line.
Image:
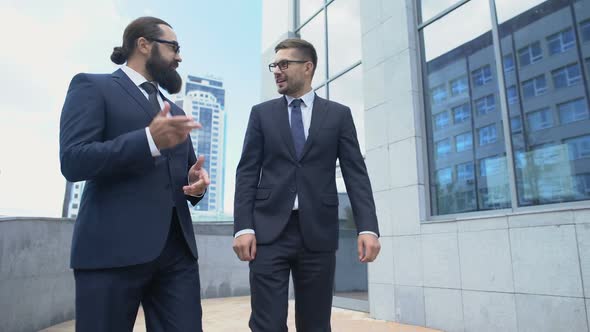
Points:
x=351 y=276
x=467 y=156
x=431 y=8
x=313 y=32
x=308 y=7
x=551 y=152
x=348 y=90
x=344 y=35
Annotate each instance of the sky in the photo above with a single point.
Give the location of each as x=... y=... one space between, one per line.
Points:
x=47 y=42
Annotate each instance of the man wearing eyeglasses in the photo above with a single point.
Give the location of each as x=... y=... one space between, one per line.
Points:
x=286 y=202
x=133 y=240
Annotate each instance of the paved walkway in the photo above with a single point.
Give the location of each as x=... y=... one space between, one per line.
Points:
x=231 y=314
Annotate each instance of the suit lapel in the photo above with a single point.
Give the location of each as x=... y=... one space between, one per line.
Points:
x=125 y=82
x=318 y=114
x=281 y=114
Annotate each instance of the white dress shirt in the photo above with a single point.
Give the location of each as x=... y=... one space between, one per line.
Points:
x=306 y=109
x=138 y=79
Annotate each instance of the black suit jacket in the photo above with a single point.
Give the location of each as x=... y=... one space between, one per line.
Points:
x=269 y=176
x=129 y=196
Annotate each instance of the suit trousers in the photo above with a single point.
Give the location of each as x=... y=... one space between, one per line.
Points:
x=313 y=280
x=168 y=288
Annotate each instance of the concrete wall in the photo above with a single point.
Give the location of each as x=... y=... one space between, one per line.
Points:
x=37 y=286
x=515 y=271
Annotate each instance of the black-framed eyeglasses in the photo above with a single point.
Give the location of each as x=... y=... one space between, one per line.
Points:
x=173 y=43
x=283 y=64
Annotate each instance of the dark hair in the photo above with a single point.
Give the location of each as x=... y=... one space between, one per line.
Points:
x=304 y=47
x=146 y=27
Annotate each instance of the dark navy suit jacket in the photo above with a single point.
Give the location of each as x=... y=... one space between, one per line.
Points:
x=269 y=176
x=127 y=205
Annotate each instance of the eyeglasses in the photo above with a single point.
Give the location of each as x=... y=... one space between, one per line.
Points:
x=283 y=64
x=173 y=43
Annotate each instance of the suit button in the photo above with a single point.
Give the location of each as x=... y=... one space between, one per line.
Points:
x=292 y=189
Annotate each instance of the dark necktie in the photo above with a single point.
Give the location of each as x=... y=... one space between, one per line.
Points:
x=152 y=92
x=297 y=130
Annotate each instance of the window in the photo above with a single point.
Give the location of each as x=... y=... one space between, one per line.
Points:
x=515 y=124
x=578 y=147
x=459 y=86
x=441 y=120
x=534 y=87
x=544 y=51
x=567 y=76
x=508 y=61
x=488 y=166
x=74 y=206
x=485 y=105
x=561 y=42
x=530 y=54
x=465 y=172
x=443 y=148
x=585 y=30
x=540 y=119
x=463 y=142
x=444 y=176
x=582 y=183
x=439 y=94
x=455 y=70
x=461 y=113
x=512 y=95
x=573 y=111
x=482 y=75
x=487 y=135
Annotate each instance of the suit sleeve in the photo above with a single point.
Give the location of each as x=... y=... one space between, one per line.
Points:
x=356 y=178
x=192 y=159
x=248 y=174
x=84 y=154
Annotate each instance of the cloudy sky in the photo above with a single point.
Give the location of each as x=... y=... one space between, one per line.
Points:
x=47 y=42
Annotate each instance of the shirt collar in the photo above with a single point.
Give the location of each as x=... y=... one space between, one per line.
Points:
x=135 y=77
x=307 y=98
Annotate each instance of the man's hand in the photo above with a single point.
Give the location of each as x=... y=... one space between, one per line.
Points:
x=245 y=247
x=198 y=179
x=368 y=247
x=169 y=131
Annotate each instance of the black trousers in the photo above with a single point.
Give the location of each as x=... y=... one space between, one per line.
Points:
x=168 y=288
x=313 y=280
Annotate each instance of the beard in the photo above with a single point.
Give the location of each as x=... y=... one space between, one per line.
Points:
x=163 y=72
x=291 y=87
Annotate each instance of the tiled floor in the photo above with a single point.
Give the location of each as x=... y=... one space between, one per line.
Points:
x=231 y=315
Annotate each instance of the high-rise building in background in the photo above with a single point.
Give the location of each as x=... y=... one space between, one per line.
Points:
x=72 y=198
x=204 y=99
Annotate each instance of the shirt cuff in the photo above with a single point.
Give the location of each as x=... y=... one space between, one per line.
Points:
x=198 y=196
x=153 y=148
x=188 y=180
x=369 y=232
x=244 y=231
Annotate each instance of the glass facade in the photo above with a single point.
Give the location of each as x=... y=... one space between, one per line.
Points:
x=544 y=46
x=333 y=27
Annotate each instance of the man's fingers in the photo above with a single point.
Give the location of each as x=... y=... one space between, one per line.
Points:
x=361 y=249
x=200 y=161
x=203 y=175
x=253 y=249
x=245 y=248
x=165 y=110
